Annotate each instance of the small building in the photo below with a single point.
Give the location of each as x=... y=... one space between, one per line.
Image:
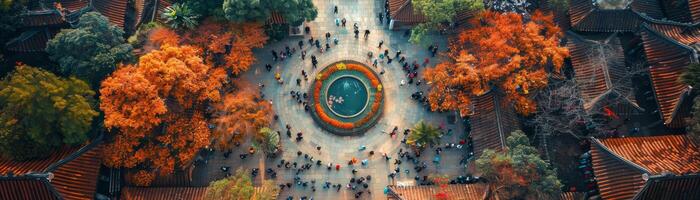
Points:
x=492 y=122
x=69 y=173
x=669 y=47
x=170 y=193
x=452 y=192
x=603 y=79
x=477 y=191
x=626 y=16
x=658 y=167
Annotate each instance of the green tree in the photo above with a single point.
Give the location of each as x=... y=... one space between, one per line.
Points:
x=295 y=12
x=40 y=111
x=694 y=121
x=439 y=11
x=92 y=50
x=238 y=186
x=267 y=140
x=691 y=76
x=423 y=135
x=9 y=22
x=518 y=172
x=180 y=15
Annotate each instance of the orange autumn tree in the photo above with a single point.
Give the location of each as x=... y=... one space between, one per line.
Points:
x=228 y=44
x=154 y=109
x=241 y=113
x=499 y=50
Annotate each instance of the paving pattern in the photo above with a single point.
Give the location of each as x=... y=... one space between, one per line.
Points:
x=399 y=109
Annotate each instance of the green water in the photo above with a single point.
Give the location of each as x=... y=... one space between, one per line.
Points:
x=348 y=96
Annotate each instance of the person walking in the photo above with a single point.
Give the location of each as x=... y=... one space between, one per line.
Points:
x=366 y=33
x=380 y=44
x=328 y=36
x=398 y=53
x=381 y=18
x=357 y=32
x=335 y=9
x=434 y=50
x=303 y=54
x=374 y=64
x=337 y=21
x=343 y=22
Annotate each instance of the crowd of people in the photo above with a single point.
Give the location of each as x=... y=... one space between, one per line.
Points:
x=405 y=163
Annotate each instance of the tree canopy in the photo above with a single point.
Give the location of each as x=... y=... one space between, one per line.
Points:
x=295 y=12
x=518 y=172
x=694 y=121
x=267 y=140
x=155 y=108
x=239 y=114
x=222 y=44
x=40 y=112
x=439 y=11
x=691 y=76
x=180 y=16
x=240 y=186
x=502 y=51
x=92 y=50
x=423 y=135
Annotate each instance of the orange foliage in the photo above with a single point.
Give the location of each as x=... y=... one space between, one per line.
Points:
x=213 y=37
x=152 y=107
x=164 y=36
x=239 y=114
x=500 y=50
x=142 y=178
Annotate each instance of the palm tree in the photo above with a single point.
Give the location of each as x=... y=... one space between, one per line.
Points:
x=267 y=141
x=423 y=135
x=179 y=15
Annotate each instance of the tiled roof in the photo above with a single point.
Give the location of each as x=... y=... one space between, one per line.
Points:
x=74 y=5
x=163 y=193
x=276 y=18
x=694 y=7
x=452 y=191
x=650 y=8
x=672 y=153
x=139 y=11
x=599 y=67
x=572 y=196
x=675 y=11
x=38 y=166
x=162 y=4
x=42 y=18
x=587 y=17
x=667 y=59
x=617 y=180
x=402 y=10
x=114 y=10
x=70 y=173
x=170 y=193
x=29 y=188
x=621 y=166
x=685 y=187
x=33 y=40
x=683 y=33
x=77 y=179
x=492 y=121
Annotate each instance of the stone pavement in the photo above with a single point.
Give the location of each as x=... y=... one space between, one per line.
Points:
x=399 y=109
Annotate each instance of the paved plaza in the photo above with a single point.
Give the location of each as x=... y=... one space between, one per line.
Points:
x=399 y=109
